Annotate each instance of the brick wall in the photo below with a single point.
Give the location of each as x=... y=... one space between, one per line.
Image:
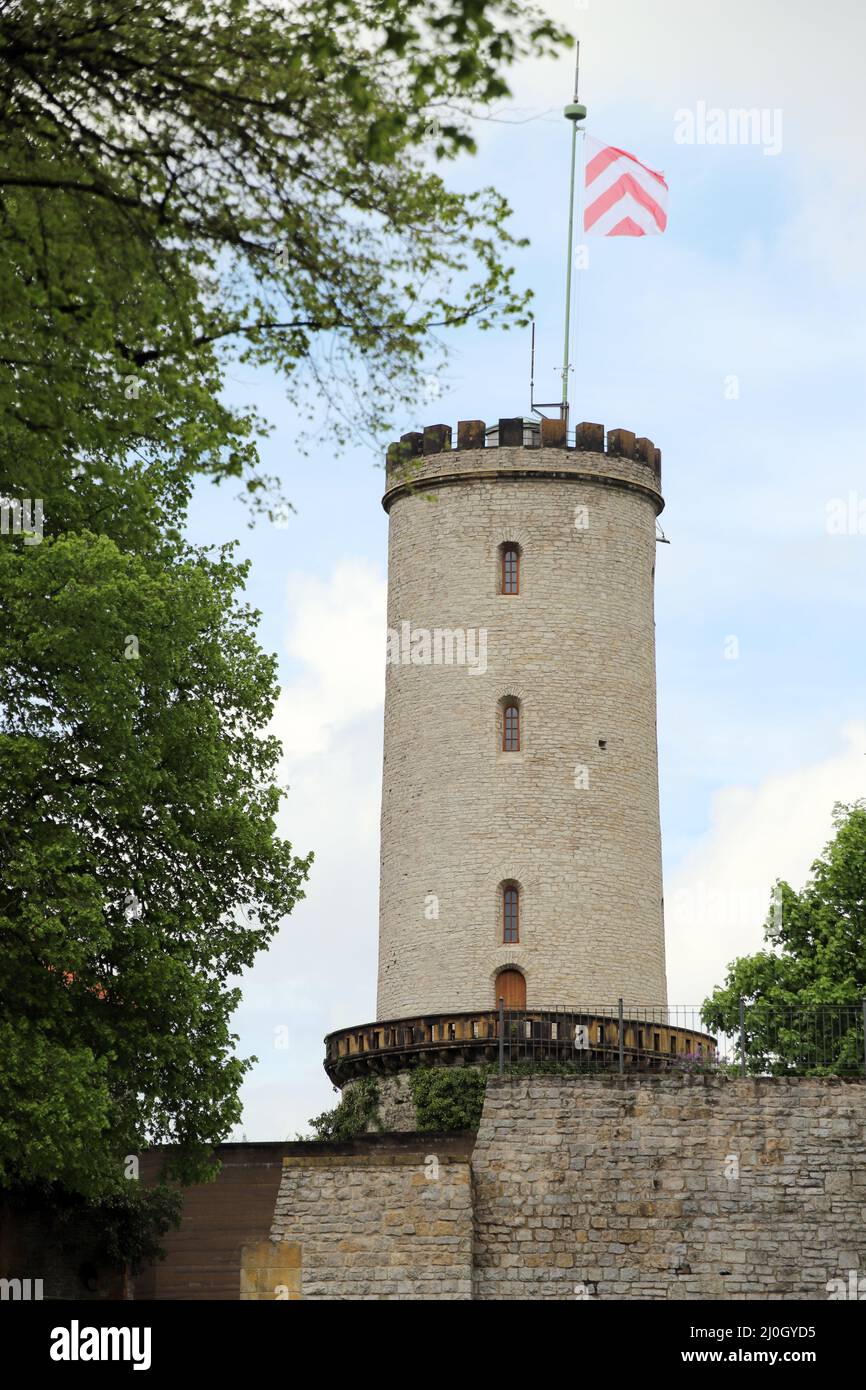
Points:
x=669 y=1188
x=221 y=1221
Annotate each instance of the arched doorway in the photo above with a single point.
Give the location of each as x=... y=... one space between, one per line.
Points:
x=511 y=987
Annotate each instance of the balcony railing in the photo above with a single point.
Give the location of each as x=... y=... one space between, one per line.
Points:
x=602 y=1037
x=619 y=1037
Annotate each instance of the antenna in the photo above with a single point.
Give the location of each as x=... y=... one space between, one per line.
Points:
x=575 y=113
x=532 y=370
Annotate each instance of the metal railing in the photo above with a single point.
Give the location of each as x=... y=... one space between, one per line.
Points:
x=606 y=1037
x=615 y=1036
x=768 y=1041
x=828 y=1039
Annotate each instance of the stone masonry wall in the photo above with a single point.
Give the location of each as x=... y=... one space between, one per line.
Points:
x=379 y=1226
x=669 y=1187
x=573 y=818
x=396 y=1110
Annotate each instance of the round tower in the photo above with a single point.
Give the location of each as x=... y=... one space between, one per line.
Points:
x=520 y=810
x=521 y=910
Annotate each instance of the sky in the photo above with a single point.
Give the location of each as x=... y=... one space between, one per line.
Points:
x=736 y=342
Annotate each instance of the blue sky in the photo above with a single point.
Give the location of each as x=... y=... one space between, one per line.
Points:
x=759 y=276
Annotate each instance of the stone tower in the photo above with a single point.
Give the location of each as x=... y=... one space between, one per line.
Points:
x=569 y=817
x=520 y=841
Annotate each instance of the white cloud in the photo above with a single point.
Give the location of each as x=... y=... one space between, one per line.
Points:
x=320 y=973
x=337 y=639
x=718 y=897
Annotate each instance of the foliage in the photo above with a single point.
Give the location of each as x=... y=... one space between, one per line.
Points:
x=125 y=1227
x=356 y=1112
x=183 y=183
x=138 y=804
x=815 y=960
x=448 y=1097
x=187 y=180
x=701 y=1064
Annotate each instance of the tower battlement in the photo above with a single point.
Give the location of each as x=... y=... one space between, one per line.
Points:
x=516 y=448
x=519 y=432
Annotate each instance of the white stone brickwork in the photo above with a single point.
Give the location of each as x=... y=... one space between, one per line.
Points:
x=573 y=818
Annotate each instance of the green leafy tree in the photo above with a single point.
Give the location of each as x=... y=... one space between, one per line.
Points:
x=185 y=183
x=140 y=864
x=357 y=1112
x=803 y=992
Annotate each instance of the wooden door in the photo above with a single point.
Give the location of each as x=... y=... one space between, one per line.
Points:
x=511 y=986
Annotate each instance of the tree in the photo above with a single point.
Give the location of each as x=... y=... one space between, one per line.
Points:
x=140 y=865
x=185 y=181
x=182 y=184
x=803 y=993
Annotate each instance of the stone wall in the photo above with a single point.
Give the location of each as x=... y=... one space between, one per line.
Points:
x=279 y=1220
x=669 y=1187
x=396 y=1109
x=378 y=1225
x=604 y=1187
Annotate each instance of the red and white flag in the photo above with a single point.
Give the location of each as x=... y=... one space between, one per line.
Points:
x=623 y=196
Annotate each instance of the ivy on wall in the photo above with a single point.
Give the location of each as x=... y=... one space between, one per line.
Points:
x=448 y=1097
x=357 y=1111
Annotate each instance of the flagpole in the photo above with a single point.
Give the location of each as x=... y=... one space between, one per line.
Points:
x=575 y=325
x=574 y=112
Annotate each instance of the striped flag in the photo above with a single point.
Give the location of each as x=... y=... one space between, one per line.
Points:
x=623 y=196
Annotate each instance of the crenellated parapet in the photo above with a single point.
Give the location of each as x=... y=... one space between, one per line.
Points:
x=517 y=447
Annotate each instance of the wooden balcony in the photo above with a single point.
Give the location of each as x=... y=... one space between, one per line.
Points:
x=650 y=1041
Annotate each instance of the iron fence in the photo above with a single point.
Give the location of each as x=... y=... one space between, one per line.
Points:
x=825 y=1040
x=623 y=1037
x=757 y=1040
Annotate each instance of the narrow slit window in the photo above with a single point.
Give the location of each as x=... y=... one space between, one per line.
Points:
x=510 y=917
x=510 y=570
x=511 y=729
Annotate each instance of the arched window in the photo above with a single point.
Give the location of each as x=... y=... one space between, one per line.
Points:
x=510 y=577
x=511 y=728
x=511 y=916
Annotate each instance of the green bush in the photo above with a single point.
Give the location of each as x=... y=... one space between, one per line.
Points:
x=358 y=1109
x=448 y=1097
